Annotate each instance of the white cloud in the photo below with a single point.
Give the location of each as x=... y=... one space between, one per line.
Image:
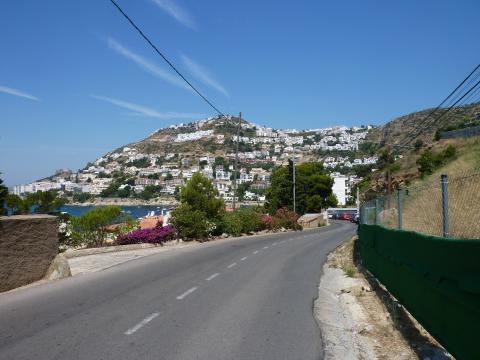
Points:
x=16 y=92
x=175 y=11
x=202 y=74
x=147 y=65
x=145 y=111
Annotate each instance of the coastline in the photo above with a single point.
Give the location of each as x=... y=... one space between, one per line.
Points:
x=127 y=202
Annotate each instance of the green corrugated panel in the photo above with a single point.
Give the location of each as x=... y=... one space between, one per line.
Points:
x=436 y=279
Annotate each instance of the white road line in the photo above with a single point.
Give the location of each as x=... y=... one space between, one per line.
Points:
x=283 y=242
x=212 y=276
x=255 y=252
x=265 y=247
x=141 y=324
x=244 y=258
x=231 y=265
x=186 y=293
x=274 y=244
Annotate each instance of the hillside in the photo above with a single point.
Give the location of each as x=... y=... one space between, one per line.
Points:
x=403 y=130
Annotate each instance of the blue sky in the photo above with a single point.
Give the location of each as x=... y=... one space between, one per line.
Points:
x=76 y=81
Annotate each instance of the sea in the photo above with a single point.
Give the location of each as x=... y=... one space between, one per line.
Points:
x=134 y=211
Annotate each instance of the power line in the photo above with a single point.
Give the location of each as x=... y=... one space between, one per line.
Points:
x=165 y=58
x=419 y=125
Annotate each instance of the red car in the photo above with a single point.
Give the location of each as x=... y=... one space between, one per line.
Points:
x=345 y=217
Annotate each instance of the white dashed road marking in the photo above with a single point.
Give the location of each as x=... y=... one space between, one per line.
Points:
x=186 y=293
x=255 y=252
x=231 y=265
x=265 y=247
x=274 y=244
x=283 y=242
x=244 y=258
x=212 y=276
x=141 y=323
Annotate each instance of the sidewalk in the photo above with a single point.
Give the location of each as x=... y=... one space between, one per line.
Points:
x=101 y=261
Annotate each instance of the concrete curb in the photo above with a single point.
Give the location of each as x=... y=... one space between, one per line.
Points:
x=69 y=254
x=107 y=249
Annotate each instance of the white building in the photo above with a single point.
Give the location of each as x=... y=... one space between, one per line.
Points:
x=341 y=188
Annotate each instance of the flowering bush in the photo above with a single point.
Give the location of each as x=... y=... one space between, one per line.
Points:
x=268 y=221
x=283 y=218
x=157 y=235
x=287 y=219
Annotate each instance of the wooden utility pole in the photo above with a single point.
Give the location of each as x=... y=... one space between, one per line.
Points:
x=236 y=161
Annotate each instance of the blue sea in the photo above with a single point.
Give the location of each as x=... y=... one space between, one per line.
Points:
x=135 y=211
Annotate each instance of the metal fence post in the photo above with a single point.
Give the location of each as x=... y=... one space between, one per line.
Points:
x=377 y=211
x=399 y=209
x=444 y=183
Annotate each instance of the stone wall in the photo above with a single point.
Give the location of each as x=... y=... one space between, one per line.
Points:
x=28 y=245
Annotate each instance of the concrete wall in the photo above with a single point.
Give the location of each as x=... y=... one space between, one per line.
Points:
x=28 y=244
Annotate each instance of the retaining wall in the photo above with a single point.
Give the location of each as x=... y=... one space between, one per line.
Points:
x=28 y=245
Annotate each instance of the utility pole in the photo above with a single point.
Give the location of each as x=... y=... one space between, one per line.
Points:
x=293 y=163
x=236 y=161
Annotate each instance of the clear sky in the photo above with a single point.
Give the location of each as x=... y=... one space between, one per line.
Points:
x=76 y=81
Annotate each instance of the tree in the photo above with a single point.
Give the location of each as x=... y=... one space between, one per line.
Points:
x=3 y=198
x=82 y=197
x=201 y=208
x=47 y=202
x=90 y=228
x=200 y=194
x=418 y=144
x=150 y=191
x=41 y=202
x=125 y=192
x=313 y=188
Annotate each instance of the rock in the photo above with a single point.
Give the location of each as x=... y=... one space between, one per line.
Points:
x=58 y=269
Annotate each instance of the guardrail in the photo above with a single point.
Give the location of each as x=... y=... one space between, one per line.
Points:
x=436 y=279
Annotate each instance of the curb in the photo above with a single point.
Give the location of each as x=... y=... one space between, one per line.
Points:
x=107 y=249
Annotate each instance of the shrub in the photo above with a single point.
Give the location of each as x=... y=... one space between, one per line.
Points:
x=191 y=224
x=250 y=219
x=90 y=228
x=428 y=162
x=232 y=223
x=268 y=221
x=287 y=219
x=157 y=235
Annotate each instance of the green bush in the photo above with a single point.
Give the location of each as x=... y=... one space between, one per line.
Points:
x=90 y=228
x=191 y=224
x=428 y=162
x=232 y=223
x=251 y=220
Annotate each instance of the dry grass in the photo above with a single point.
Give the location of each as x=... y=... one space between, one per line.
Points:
x=422 y=204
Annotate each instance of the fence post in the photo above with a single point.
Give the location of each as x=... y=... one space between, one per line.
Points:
x=399 y=209
x=377 y=211
x=444 y=182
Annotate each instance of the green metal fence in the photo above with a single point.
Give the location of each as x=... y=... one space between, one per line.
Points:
x=436 y=279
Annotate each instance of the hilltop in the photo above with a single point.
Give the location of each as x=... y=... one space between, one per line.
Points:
x=404 y=129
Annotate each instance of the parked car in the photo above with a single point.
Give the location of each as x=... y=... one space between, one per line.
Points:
x=345 y=217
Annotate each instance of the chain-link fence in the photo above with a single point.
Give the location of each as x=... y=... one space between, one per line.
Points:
x=448 y=206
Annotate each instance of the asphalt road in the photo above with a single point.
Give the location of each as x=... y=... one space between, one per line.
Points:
x=247 y=298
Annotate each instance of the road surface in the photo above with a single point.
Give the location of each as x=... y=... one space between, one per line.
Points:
x=247 y=298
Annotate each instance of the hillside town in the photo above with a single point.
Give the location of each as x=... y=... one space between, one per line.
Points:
x=261 y=149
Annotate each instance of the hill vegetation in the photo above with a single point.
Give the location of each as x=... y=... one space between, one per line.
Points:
x=404 y=129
